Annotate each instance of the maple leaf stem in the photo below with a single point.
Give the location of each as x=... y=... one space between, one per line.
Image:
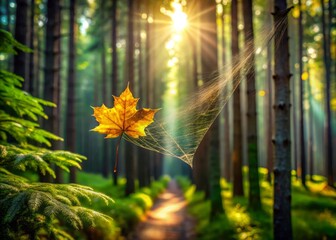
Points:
x=117 y=154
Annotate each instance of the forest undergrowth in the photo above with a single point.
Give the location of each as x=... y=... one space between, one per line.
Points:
x=313 y=212
x=127 y=211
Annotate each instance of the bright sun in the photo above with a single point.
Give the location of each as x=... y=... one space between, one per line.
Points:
x=178 y=17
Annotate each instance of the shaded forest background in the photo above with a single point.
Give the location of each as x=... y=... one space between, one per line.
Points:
x=276 y=130
x=89 y=63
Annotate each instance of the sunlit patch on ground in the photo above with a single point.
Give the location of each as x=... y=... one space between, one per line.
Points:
x=168 y=219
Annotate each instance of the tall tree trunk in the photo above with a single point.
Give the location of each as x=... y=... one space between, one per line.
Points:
x=301 y=88
x=130 y=164
x=311 y=131
x=52 y=72
x=209 y=61
x=282 y=170
x=32 y=45
x=21 y=60
x=226 y=114
x=327 y=125
x=237 y=121
x=8 y=28
x=71 y=96
x=254 y=187
x=146 y=157
x=106 y=147
x=269 y=144
x=202 y=164
x=142 y=164
x=114 y=63
x=106 y=163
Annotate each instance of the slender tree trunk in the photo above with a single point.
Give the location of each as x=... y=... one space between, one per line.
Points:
x=270 y=153
x=202 y=163
x=209 y=61
x=143 y=69
x=327 y=125
x=227 y=142
x=106 y=163
x=8 y=28
x=311 y=131
x=114 y=63
x=282 y=170
x=149 y=79
x=51 y=91
x=21 y=60
x=32 y=45
x=237 y=129
x=254 y=187
x=296 y=152
x=37 y=60
x=71 y=96
x=130 y=164
x=104 y=90
x=142 y=160
x=302 y=140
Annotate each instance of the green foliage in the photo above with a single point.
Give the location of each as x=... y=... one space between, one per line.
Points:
x=9 y=44
x=126 y=211
x=37 y=159
x=313 y=213
x=19 y=113
x=45 y=203
x=30 y=209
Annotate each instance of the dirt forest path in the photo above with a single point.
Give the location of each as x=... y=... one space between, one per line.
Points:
x=168 y=219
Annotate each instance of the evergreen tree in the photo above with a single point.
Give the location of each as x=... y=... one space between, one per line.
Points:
x=254 y=187
x=237 y=156
x=130 y=156
x=28 y=209
x=282 y=166
x=71 y=96
x=52 y=71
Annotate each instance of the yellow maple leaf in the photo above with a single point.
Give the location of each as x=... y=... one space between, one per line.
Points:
x=123 y=117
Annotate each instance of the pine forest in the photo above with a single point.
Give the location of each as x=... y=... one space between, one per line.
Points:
x=167 y=119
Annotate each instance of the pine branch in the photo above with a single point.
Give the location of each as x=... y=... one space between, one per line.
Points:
x=20 y=200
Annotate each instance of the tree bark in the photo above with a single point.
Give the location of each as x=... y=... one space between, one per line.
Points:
x=209 y=60
x=104 y=90
x=8 y=28
x=311 y=132
x=143 y=153
x=130 y=168
x=237 y=121
x=254 y=187
x=32 y=45
x=149 y=76
x=227 y=151
x=52 y=83
x=282 y=169
x=21 y=59
x=71 y=95
x=327 y=125
x=301 y=111
x=114 y=63
x=270 y=152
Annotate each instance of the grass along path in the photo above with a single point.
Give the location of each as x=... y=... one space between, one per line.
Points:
x=168 y=218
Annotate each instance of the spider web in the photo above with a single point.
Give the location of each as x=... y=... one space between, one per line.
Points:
x=199 y=110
